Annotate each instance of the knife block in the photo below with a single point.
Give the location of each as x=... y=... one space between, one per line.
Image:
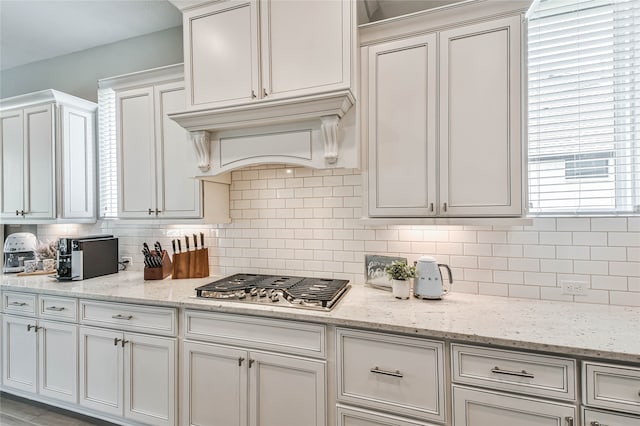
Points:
x=199 y=265
x=191 y=264
x=159 y=273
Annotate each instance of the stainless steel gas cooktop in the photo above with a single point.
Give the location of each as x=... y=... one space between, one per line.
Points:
x=278 y=290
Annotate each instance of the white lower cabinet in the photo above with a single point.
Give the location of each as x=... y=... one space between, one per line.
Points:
x=245 y=370
x=128 y=374
x=40 y=357
x=349 y=416
x=401 y=375
x=474 y=407
x=250 y=387
x=602 y=418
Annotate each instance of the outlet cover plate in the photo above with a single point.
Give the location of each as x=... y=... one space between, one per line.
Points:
x=573 y=287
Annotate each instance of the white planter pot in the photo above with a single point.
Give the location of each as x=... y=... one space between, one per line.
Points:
x=401 y=289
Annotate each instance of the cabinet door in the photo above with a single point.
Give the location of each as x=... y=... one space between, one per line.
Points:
x=305 y=46
x=480 y=119
x=12 y=163
x=286 y=391
x=473 y=407
x=402 y=127
x=19 y=353
x=221 y=53
x=214 y=385
x=39 y=162
x=77 y=165
x=101 y=370
x=178 y=193
x=58 y=361
x=150 y=379
x=136 y=152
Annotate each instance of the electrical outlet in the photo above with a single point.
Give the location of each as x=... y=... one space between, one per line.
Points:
x=126 y=259
x=576 y=288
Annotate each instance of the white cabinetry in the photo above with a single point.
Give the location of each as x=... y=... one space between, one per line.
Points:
x=473 y=407
x=128 y=374
x=610 y=387
x=40 y=357
x=237 y=51
x=517 y=372
x=47 y=158
x=252 y=387
x=442 y=113
x=397 y=374
x=155 y=160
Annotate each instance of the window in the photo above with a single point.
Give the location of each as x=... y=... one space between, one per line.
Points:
x=107 y=172
x=584 y=107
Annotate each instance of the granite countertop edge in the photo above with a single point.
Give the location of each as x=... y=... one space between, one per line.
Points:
x=600 y=332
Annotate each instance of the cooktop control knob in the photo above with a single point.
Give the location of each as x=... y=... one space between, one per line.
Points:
x=262 y=292
x=241 y=294
x=275 y=297
x=253 y=292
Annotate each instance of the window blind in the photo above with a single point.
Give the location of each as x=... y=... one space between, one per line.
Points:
x=107 y=171
x=584 y=107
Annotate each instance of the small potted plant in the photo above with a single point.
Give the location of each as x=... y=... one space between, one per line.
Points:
x=400 y=275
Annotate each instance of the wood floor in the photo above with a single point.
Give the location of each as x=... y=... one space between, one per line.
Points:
x=16 y=411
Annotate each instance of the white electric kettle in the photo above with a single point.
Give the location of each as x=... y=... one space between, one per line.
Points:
x=428 y=284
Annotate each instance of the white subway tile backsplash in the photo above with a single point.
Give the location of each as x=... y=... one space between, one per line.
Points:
x=609 y=224
x=573 y=224
x=308 y=222
x=609 y=253
x=590 y=238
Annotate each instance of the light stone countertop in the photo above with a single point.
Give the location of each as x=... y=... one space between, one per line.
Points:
x=576 y=329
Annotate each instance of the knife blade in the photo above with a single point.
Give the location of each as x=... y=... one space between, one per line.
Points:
x=195 y=242
x=145 y=249
x=202 y=239
x=173 y=245
x=179 y=246
x=158 y=248
x=186 y=240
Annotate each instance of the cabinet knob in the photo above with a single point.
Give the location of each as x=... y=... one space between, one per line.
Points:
x=150 y=212
x=253 y=94
x=240 y=361
x=29 y=327
x=158 y=212
x=264 y=93
x=124 y=342
x=17 y=213
x=115 y=341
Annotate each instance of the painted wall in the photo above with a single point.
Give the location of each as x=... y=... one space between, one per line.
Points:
x=307 y=222
x=78 y=73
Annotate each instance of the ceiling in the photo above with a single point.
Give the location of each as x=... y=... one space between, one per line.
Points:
x=33 y=30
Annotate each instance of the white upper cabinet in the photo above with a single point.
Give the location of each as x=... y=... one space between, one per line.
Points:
x=156 y=163
x=240 y=51
x=442 y=112
x=47 y=158
x=480 y=115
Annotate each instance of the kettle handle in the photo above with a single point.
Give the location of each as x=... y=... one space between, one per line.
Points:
x=444 y=289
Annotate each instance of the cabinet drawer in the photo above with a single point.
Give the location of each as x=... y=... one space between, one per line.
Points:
x=600 y=418
x=59 y=308
x=474 y=407
x=399 y=374
x=122 y=316
x=19 y=303
x=260 y=333
x=348 y=416
x=537 y=375
x=612 y=386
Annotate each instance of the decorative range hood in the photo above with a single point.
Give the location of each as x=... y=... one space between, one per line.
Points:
x=300 y=131
x=277 y=124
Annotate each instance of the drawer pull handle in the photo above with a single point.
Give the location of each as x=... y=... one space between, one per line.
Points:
x=240 y=361
x=55 y=308
x=29 y=327
x=597 y=423
x=115 y=341
x=18 y=304
x=396 y=373
x=124 y=342
x=123 y=317
x=569 y=420
x=522 y=373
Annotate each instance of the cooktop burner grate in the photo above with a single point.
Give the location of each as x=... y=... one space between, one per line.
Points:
x=304 y=292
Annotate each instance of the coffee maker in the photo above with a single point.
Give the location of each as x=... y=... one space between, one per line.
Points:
x=19 y=247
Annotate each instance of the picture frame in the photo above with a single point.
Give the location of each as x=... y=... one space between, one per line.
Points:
x=374 y=269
